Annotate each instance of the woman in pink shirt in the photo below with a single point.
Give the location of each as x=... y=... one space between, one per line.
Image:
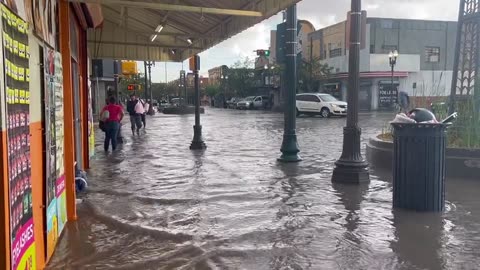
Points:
x=115 y=116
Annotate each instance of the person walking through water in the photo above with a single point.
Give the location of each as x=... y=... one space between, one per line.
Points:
x=135 y=117
x=112 y=115
x=146 y=107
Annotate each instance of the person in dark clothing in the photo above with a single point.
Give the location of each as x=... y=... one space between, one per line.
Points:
x=115 y=116
x=135 y=118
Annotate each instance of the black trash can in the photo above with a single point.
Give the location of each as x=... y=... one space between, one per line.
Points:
x=419 y=166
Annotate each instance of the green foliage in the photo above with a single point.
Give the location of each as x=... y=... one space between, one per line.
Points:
x=465 y=132
x=240 y=79
x=212 y=90
x=134 y=79
x=310 y=73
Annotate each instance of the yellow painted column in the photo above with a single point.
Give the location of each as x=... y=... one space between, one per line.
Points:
x=69 y=147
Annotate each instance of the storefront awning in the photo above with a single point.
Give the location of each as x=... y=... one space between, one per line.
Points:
x=179 y=29
x=378 y=74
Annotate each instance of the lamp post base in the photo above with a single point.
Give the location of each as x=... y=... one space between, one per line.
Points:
x=351 y=172
x=197 y=142
x=289 y=149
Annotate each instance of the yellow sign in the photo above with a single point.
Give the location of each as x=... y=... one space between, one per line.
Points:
x=129 y=68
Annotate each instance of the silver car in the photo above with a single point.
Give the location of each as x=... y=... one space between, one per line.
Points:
x=253 y=102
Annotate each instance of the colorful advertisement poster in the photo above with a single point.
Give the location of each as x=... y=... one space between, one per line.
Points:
x=23 y=248
x=23 y=8
x=16 y=64
x=44 y=19
x=50 y=154
x=52 y=227
x=91 y=129
x=59 y=133
x=61 y=204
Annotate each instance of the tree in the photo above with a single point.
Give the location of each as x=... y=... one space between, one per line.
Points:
x=240 y=80
x=310 y=73
x=212 y=90
x=138 y=79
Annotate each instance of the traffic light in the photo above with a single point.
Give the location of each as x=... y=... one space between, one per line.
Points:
x=263 y=53
x=134 y=87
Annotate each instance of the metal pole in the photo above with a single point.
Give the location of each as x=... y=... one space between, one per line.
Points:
x=150 y=108
x=456 y=60
x=115 y=77
x=393 y=71
x=146 y=80
x=351 y=167
x=197 y=142
x=290 y=147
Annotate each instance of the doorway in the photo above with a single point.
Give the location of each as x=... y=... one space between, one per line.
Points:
x=77 y=114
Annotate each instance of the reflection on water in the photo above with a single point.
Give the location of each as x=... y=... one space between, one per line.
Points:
x=157 y=205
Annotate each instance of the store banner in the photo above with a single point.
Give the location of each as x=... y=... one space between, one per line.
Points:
x=16 y=65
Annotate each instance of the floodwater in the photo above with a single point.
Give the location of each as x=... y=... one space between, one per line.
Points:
x=156 y=205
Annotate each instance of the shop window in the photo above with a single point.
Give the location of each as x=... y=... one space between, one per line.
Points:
x=387 y=24
x=389 y=48
x=432 y=54
x=335 y=52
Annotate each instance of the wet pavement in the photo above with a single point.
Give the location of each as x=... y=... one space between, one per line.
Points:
x=156 y=205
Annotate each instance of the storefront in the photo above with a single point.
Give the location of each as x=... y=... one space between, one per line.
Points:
x=38 y=150
x=376 y=91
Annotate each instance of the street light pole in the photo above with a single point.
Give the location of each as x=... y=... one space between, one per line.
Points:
x=393 y=61
x=150 y=108
x=197 y=142
x=290 y=147
x=351 y=167
x=146 y=80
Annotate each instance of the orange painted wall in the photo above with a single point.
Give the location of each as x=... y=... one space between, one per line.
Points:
x=38 y=188
x=69 y=148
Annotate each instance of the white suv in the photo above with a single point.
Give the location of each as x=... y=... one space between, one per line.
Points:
x=323 y=104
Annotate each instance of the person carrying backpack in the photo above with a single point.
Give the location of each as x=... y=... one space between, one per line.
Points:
x=135 y=117
x=112 y=114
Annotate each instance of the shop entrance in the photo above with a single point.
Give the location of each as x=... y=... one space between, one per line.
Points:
x=365 y=96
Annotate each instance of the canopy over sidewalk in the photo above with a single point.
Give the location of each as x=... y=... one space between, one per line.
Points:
x=178 y=28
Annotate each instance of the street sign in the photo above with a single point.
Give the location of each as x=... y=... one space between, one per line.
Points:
x=194 y=63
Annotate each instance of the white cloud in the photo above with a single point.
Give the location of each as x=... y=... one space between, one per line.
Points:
x=320 y=15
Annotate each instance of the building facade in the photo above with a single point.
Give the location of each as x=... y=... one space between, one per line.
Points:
x=423 y=69
x=46 y=123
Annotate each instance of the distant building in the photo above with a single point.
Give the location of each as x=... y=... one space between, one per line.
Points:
x=424 y=67
x=215 y=74
x=273 y=47
x=304 y=29
x=103 y=82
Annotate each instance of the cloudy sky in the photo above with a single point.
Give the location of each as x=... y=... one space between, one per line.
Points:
x=258 y=37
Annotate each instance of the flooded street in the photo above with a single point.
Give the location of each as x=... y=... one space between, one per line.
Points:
x=157 y=205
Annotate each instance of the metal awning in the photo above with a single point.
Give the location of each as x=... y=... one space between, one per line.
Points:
x=182 y=27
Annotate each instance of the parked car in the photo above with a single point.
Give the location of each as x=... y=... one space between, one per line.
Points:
x=318 y=103
x=176 y=102
x=232 y=103
x=253 y=102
